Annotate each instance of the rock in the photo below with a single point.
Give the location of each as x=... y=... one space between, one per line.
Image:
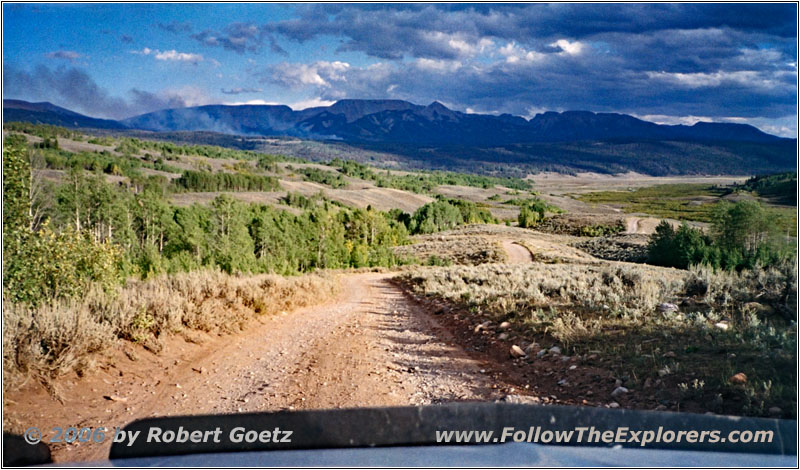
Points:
x=563 y=382
x=573 y=367
x=618 y=383
x=114 y=398
x=775 y=411
x=517 y=351
x=670 y=354
x=648 y=383
x=593 y=357
x=660 y=408
x=738 y=379
x=555 y=350
x=521 y=399
x=529 y=348
x=619 y=391
x=541 y=353
x=130 y=354
x=502 y=336
x=667 y=307
x=613 y=404
x=723 y=325
x=505 y=325
x=482 y=326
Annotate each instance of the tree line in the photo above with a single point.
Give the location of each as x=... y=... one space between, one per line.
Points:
x=61 y=238
x=742 y=236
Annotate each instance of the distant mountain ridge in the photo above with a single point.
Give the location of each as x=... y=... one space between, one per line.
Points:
x=48 y=113
x=436 y=137
x=394 y=122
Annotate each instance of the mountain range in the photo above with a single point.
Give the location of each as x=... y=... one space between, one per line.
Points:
x=393 y=122
x=436 y=137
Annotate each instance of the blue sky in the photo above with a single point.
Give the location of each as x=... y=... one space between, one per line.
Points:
x=668 y=63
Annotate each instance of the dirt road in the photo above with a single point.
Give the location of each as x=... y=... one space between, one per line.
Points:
x=372 y=346
x=517 y=254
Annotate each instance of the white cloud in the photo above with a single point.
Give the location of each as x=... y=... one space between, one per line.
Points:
x=532 y=111
x=438 y=65
x=784 y=126
x=470 y=110
x=190 y=95
x=748 y=78
x=174 y=56
x=567 y=47
x=514 y=53
x=673 y=120
x=251 y=102
x=310 y=103
x=319 y=73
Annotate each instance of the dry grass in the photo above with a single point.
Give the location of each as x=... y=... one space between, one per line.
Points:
x=361 y=195
x=620 y=247
x=546 y=250
x=611 y=310
x=576 y=224
x=519 y=291
x=449 y=249
x=57 y=338
x=481 y=243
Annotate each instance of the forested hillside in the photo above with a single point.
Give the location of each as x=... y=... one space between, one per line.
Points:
x=73 y=219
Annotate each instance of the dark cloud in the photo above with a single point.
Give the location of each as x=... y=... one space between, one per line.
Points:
x=176 y=27
x=685 y=59
x=239 y=91
x=240 y=38
x=74 y=89
x=276 y=48
x=713 y=60
x=550 y=82
x=71 y=56
x=237 y=37
x=396 y=31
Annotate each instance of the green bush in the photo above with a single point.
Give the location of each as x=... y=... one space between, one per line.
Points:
x=600 y=230
x=205 y=181
x=742 y=237
x=446 y=214
x=531 y=211
x=48 y=265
